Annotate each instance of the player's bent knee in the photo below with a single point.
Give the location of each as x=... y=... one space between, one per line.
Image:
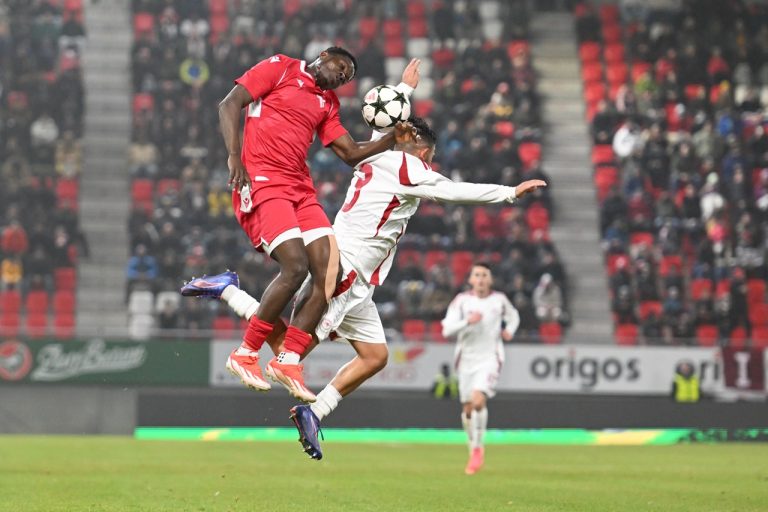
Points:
x=295 y=271
x=376 y=358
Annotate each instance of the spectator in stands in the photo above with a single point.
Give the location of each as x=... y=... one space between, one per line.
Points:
x=141 y=269
x=548 y=299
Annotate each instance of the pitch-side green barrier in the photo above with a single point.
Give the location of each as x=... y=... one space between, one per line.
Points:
x=449 y=436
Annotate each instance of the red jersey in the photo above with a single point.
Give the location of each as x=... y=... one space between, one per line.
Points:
x=288 y=109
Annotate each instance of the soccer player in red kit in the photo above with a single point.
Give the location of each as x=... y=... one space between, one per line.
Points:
x=287 y=102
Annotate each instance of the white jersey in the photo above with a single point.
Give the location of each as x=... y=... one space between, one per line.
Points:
x=480 y=343
x=384 y=194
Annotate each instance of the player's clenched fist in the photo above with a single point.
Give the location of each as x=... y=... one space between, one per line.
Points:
x=405 y=132
x=529 y=186
x=238 y=176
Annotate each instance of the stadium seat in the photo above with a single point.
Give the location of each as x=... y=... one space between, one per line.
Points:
x=613 y=53
x=424 y=92
x=394 y=47
x=638 y=69
x=63 y=326
x=392 y=28
x=223 y=327
x=589 y=52
x=537 y=217
x=738 y=337
x=594 y=92
x=36 y=302
x=418 y=28
x=722 y=288
x=461 y=263
x=529 y=153
x=9 y=324
x=219 y=25
x=605 y=178
x=423 y=108
x=414 y=330
x=613 y=262
x=649 y=306
x=67 y=190
x=407 y=257
x=143 y=102
x=142 y=190
x=217 y=6
x=140 y=326
x=435 y=258
x=436 y=331
x=551 y=333
x=169 y=184
x=760 y=337
x=64 y=302
x=626 y=334
x=10 y=301
x=518 y=46
x=492 y=29
x=707 y=335
x=758 y=314
x=611 y=34
x=65 y=278
x=73 y=6
x=489 y=10
x=616 y=73
x=755 y=291
x=641 y=238
x=348 y=90
x=592 y=72
x=669 y=262
x=368 y=28
x=609 y=13
x=416 y=9
x=443 y=57
x=602 y=154
x=36 y=325
x=141 y=302
x=393 y=66
x=699 y=287
x=418 y=47
x=143 y=23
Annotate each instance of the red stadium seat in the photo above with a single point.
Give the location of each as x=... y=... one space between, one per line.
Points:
x=168 y=184
x=594 y=92
x=504 y=129
x=392 y=28
x=9 y=324
x=638 y=69
x=436 y=331
x=592 y=72
x=414 y=330
x=64 y=326
x=64 y=302
x=669 y=262
x=738 y=337
x=36 y=302
x=218 y=6
x=693 y=91
x=143 y=102
x=551 y=333
x=443 y=58
x=435 y=258
x=407 y=257
x=617 y=74
x=415 y=9
x=143 y=23
x=10 y=302
x=73 y=6
x=649 y=306
x=707 y=335
x=67 y=190
x=723 y=288
x=142 y=191
x=605 y=178
x=223 y=326
x=537 y=217
x=65 y=278
x=589 y=52
x=461 y=263
x=418 y=28
x=348 y=90
x=641 y=238
x=36 y=326
x=758 y=314
x=626 y=334
x=529 y=152
x=613 y=53
x=423 y=108
x=219 y=25
x=368 y=28
x=755 y=291
x=760 y=337
x=700 y=287
x=394 y=47
x=612 y=263
x=602 y=154
x=611 y=33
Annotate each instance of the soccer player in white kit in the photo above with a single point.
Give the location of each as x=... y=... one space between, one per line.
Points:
x=476 y=318
x=384 y=194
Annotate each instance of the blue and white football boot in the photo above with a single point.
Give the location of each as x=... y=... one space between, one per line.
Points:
x=309 y=427
x=210 y=286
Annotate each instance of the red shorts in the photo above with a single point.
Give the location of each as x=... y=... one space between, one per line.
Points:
x=280 y=213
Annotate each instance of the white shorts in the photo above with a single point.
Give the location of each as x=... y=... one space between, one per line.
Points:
x=351 y=313
x=475 y=377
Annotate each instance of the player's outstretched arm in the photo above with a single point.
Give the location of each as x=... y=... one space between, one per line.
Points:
x=229 y=123
x=352 y=152
x=529 y=186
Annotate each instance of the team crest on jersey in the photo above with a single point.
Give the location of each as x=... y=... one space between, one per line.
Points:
x=274 y=59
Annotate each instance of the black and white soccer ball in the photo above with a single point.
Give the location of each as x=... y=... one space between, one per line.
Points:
x=384 y=107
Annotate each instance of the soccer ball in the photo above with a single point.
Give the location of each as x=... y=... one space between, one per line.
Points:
x=384 y=107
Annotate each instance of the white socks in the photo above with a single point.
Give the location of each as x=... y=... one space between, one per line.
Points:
x=475 y=427
x=327 y=400
x=242 y=303
x=288 y=357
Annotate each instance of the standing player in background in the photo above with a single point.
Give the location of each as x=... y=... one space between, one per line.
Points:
x=476 y=317
x=288 y=102
x=384 y=194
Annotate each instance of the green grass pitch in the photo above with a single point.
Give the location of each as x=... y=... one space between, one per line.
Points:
x=107 y=474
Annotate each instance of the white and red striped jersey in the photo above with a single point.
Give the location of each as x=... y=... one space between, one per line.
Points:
x=481 y=342
x=384 y=194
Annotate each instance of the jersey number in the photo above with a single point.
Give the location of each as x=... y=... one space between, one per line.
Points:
x=359 y=183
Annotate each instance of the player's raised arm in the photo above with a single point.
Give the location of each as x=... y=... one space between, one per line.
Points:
x=353 y=152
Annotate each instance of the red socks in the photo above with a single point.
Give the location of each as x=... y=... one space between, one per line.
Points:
x=257 y=333
x=296 y=340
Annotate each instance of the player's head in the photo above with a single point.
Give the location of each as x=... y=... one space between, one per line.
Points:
x=334 y=67
x=481 y=278
x=423 y=146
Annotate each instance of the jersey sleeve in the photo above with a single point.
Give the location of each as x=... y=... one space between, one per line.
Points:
x=331 y=128
x=454 y=323
x=264 y=76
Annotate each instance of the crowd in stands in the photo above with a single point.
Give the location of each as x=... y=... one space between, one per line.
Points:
x=677 y=102
x=478 y=90
x=41 y=124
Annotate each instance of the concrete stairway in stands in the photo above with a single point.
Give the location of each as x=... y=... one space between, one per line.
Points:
x=566 y=157
x=104 y=189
